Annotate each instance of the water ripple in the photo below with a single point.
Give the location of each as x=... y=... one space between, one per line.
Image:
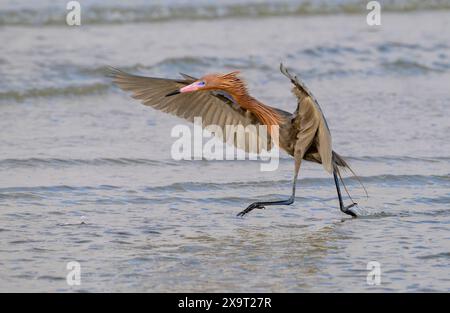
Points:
x=202 y=10
x=418 y=180
x=57 y=162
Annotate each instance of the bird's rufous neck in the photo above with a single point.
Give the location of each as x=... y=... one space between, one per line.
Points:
x=244 y=100
x=265 y=114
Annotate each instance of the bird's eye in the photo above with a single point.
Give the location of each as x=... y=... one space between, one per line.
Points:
x=201 y=84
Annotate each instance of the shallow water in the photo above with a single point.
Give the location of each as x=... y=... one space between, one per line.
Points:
x=76 y=149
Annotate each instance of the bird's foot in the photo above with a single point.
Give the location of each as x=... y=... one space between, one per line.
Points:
x=255 y=205
x=347 y=210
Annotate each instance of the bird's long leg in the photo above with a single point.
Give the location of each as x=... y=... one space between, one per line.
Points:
x=344 y=209
x=262 y=205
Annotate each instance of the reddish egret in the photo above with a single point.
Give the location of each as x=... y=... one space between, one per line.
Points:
x=223 y=99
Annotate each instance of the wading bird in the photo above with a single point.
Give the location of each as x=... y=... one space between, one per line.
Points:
x=223 y=99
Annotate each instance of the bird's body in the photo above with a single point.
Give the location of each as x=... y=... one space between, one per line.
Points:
x=224 y=100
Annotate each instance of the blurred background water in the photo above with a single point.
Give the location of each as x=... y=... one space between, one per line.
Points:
x=74 y=148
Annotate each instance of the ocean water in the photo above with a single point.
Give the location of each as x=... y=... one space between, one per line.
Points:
x=86 y=172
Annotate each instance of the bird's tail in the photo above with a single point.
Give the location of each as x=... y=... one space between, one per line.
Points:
x=339 y=162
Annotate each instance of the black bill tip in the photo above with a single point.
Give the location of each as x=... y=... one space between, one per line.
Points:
x=173 y=93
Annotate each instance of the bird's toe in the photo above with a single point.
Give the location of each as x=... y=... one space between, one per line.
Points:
x=251 y=207
x=349 y=211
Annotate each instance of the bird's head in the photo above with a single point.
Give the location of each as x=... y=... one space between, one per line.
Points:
x=229 y=82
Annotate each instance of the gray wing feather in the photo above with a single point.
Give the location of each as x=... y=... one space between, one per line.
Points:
x=215 y=109
x=310 y=122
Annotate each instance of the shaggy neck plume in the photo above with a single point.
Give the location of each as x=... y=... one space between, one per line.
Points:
x=266 y=115
x=237 y=89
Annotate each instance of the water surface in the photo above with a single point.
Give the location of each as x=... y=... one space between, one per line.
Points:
x=75 y=148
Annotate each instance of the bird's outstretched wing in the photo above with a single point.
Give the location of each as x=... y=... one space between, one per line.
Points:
x=311 y=121
x=213 y=108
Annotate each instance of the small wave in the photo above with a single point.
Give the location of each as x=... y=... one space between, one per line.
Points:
x=12 y=195
x=390 y=46
x=202 y=62
x=108 y=14
x=434 y=200
x=39 y=193
x=384 y=159
x=57 y=188
x=43 y=162
x=96 y=88
x=408 y=66
x=59 y=162
x=199 y=186
x=324 y=50
x=443 y=255
x=384 y=59
x=102 y=84
x=405 y=179
x=306 y=182
x=155 y=194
